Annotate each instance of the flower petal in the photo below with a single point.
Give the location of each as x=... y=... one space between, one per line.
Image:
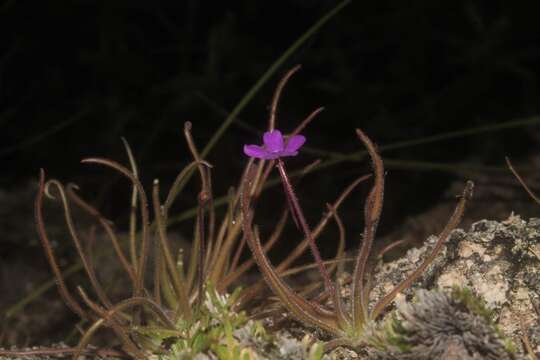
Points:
x=273 y=141
x=285 y=153
x=258 y=152
x=294 y=143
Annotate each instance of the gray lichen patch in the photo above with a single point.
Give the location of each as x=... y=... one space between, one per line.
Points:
x=497 y=260
x=442 y=325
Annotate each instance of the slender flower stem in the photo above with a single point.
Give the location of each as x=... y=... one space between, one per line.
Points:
x=299 y=214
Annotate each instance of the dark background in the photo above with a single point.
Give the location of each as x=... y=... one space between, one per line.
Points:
x=75 y=76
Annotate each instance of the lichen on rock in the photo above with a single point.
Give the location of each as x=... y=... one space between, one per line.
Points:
x=497 y=261
x=442 y=325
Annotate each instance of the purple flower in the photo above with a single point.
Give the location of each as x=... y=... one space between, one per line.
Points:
x=275 y=146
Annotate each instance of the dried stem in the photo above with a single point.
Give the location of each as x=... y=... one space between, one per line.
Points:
x=522 y=182
x=62 y=288
x=177 y=186
x=78 y=245
x=133 y=207
x=203 y=166
x=179 y=287
x=143 y=202
x=343 y=318
x=228 y=223
x=203 y=200
x=106 y=224
x=109 y=319
x=158 y=265
x=391 y=247
x=237 y=272
x=306 y=121
x=451 y=225
x=112 y=322
x=277 y=95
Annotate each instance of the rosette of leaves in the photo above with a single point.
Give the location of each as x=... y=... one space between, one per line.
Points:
x=442 y=325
